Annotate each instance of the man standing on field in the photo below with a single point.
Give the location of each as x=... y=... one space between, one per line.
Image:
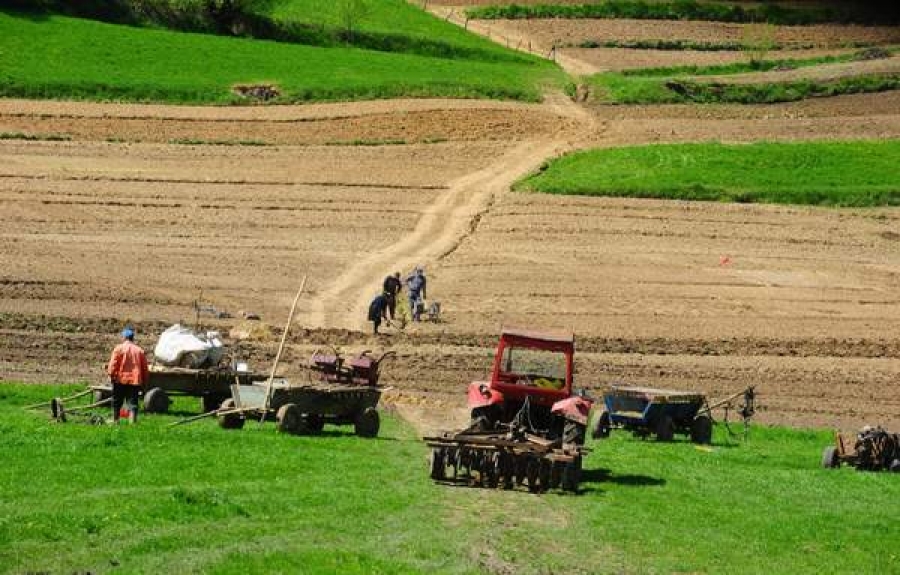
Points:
x=128 y=373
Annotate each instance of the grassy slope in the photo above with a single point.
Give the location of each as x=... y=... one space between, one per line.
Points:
x=395 y=17
x=200 y=499
x=74 y=58
x=842 y=173
x=649 y=85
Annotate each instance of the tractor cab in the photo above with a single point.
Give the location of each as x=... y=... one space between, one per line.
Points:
x=532 y=375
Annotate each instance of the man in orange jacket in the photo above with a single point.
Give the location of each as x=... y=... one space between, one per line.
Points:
x=128 y=373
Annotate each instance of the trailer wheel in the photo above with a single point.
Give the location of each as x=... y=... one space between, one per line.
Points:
x=102 y=393
x=288 y=418
x=156 y=401
x=314 y=423
x=230 y=420
x=572 y=475
x=602 y=426
x=830 y=458
x=367 y=422
x=665 y=429
x=701 y=430
x=211 y=402
x=438 y=464
x=895 y=466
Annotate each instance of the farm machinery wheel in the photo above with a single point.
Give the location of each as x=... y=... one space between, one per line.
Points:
x=156 y=401
x=665 y=429
x=211 y=402
x=573 y=433
x=701 y=430
x=101 y=394
x=602 y=426
x=830 y=458
x=230 y=420
x=895 y=466
x=438 y=463
x=367 y=422
x=571 y=475
x=288 y=419
x=314 y=423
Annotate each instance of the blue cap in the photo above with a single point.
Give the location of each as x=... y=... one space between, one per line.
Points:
x=128 y=332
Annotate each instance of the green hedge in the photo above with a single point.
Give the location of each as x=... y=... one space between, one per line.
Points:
x=684 y=10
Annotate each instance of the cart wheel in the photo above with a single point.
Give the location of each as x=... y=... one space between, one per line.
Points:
x=101 y=394
x=701 y=430
x=895 y=466
x=367 y=423
x=288 y=418
x=156 y=401
x=602 y=426
x=438 y=464
x=830 y=458
x=230 y=420
x=571 y=476
x=665 y=429
x=314 y=423
x=211 y=402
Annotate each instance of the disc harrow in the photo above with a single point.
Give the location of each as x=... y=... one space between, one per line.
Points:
x=506 y=460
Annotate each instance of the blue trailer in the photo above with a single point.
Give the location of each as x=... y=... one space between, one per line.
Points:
x=647 y=411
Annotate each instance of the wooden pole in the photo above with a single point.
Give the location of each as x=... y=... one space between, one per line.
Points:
x=46 y=403
x=284 y=335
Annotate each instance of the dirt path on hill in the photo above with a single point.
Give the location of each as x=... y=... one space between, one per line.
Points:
x=445 y=224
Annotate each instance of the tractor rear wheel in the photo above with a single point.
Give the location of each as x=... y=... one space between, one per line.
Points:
x=573 y=433
x=156 y=401
x=230 y=420
x=288 y=418
x=602 y=426
x=830 y=458
x=367 y=422
x=701 y=430
x=665 y=429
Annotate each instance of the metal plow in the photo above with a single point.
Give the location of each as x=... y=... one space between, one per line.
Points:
x=493 y=459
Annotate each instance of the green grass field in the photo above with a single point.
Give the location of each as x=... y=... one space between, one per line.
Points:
x=60 y=57
x=198 y=499
x=861 y=173
x=670 y=85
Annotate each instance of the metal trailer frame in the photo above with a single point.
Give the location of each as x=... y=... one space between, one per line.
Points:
x=649 y=411
x=304 y=409
x=212 y=386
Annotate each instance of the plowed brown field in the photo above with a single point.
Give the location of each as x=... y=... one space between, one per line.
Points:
x=143 y=206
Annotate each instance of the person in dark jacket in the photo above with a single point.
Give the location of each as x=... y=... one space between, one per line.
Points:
x=392 y=287
x=416 y=285
x=378 y=310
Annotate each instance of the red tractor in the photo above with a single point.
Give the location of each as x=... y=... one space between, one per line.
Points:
x=527 y=427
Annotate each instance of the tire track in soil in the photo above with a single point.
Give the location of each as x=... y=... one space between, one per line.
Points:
x=445 y=224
